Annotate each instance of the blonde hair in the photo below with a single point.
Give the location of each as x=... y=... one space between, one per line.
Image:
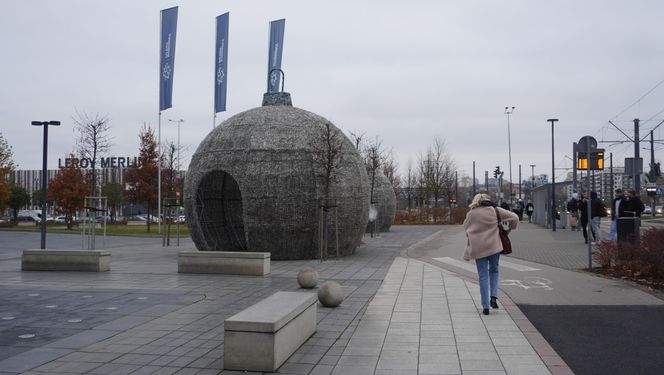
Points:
x=478 y=198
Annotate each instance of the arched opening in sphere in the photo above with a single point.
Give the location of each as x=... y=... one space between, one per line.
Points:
x=219 y=212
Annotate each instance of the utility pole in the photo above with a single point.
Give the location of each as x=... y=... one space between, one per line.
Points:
x=652 y=154
x=520 y=182
x=474 y=185
x=613 y=187
x=636 y=176
x=486 y=182
x=553 y=177
x=532 y=174
x=574 y=161
x=456 y=186
x=508 y=112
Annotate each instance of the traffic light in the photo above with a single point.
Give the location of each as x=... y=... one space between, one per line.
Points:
x=496 y=173
x=596 y=160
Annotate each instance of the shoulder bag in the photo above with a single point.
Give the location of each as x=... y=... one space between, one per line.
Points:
x=504 y=238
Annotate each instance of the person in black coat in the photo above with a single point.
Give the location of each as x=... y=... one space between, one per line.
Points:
x=573 y=210
x=597 y=210
x=632 y=205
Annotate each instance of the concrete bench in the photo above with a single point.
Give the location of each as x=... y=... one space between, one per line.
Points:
x=226 y=262
x=263 y=336
x=66 y=260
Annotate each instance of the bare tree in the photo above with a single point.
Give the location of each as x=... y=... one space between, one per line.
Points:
x=169 y=168
x=409 y=184
x=93 y=140
x=327 y=158
x=391 y=171
x=373 y=159
x=436 y=171
x=357 y=139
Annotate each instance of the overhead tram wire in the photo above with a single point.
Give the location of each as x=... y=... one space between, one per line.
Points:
x=638 y=100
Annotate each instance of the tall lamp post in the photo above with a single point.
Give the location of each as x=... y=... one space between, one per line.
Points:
x=44 y=178
x=553 y=177
x=532 y=177
x=508 y=112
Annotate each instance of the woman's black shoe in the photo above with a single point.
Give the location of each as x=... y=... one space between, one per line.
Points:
x=485 y=311
x=494 y=302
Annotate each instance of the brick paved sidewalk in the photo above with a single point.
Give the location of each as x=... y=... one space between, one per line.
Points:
x=424 y=320
x=150 y=320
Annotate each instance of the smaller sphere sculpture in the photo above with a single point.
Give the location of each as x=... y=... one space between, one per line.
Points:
x=307 y=278
x=330 y=294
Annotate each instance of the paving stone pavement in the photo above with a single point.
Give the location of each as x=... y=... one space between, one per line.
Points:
x=142 y=317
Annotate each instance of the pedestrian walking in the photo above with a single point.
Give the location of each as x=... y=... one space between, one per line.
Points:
x=573 y=210
x=597 y=212
x=484 y=246
x=583 y=214
x=617 y=208
x=529 y=210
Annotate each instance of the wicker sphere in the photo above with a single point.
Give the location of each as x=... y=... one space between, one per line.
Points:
x=385 y=203
x=253 y=185
x=307 y=278
x=330 y=294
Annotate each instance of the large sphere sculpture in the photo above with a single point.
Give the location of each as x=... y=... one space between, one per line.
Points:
x=385 y=203
x=255 y=183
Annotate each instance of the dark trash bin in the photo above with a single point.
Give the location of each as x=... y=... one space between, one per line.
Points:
x=629 y=229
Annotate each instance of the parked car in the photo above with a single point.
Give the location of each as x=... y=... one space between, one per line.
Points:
x=29 y=215
x=658 y=210
x=182 y=219
x=647 y=211
x=104 y=218
x=60 y=219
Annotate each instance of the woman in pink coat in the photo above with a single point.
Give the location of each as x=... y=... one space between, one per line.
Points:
x=484 y=245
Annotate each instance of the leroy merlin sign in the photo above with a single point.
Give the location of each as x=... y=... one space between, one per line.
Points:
x=107 y=162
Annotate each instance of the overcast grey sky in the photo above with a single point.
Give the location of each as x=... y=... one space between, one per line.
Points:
x=405 y=71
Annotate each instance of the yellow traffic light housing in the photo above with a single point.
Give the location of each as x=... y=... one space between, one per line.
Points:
x=596 y=161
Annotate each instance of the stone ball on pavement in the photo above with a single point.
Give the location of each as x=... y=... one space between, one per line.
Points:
x=307 y=278
x=330 y=294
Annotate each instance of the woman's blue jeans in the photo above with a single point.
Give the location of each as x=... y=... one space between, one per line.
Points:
x=487 y=270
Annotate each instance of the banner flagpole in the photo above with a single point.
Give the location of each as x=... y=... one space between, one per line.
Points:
x=220 y=65
x=168 y=32
x=159 y=177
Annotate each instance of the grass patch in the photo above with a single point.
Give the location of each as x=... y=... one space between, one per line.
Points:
x=111 y=230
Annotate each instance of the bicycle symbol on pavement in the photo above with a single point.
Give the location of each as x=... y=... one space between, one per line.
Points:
x=530 y=282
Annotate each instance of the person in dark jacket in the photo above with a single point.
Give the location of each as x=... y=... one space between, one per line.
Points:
x=573 y=210
x=583 y=211
x=597 y=212
x=530 y=209
x=617 y=208
x=632 y=205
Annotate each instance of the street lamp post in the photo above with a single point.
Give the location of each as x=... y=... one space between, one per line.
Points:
x=553 y=177
x=44 y=178
x=532 y=177
x=508 y=112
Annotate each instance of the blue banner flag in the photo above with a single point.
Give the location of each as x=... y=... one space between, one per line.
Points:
x=221 y=64
x=274 y=59
x=169 y=25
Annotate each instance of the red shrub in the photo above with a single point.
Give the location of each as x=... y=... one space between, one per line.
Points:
x=645 y=260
